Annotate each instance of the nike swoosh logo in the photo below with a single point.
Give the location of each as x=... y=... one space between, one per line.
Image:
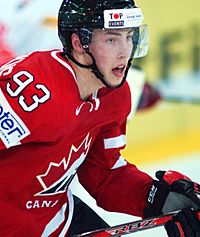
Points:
x=78 y=109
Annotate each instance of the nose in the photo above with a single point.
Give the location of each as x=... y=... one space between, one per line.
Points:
x=124 y=50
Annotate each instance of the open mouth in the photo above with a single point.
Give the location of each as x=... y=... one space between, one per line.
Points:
x=119 y=70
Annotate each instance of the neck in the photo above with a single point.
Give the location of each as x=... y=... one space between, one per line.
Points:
x=86 y=81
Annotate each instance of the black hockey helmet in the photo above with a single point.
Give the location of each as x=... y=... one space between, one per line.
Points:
x=82 y=17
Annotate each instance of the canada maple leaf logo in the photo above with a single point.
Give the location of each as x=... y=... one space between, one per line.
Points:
x=58 y=176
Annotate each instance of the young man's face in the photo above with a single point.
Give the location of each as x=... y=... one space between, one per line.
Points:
x=111 y=50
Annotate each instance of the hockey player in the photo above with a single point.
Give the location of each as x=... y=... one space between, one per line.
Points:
x=64 y=112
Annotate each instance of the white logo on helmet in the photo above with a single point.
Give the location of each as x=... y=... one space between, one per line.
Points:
x=123 y=18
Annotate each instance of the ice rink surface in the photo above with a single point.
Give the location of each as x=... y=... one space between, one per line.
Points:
x=188 y=164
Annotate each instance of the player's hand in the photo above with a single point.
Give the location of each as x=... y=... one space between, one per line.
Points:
x=171 y=192
x=185 y=224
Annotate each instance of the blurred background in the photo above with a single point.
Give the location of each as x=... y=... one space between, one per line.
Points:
x=164 y=127
x=173 y=66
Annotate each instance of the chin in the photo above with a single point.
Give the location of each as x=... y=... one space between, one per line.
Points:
x=115 y=85
x=114 y=82
x=117 y=81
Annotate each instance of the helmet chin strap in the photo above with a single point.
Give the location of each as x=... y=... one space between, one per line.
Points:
x=95 y=69
x=75 y=61
x=100 y=76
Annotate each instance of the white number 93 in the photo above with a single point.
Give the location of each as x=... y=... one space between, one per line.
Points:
x=21 y=85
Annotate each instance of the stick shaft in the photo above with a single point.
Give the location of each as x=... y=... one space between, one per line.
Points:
x=131 y=227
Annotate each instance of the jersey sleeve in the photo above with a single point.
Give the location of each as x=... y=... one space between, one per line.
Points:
x=21 y=94
x=116 y=184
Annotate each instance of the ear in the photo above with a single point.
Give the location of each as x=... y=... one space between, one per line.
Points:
x=76 y=43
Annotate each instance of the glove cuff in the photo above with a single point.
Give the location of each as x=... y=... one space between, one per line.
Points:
x=156 y=198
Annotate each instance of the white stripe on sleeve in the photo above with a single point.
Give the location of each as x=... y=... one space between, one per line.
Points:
x=119 y=163
x=115 y=142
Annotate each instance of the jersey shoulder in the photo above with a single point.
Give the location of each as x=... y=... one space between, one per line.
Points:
x=31 y=88
x=38 y=63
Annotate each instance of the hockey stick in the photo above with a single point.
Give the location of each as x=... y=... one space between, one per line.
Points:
x=144 y=224
x=131 y=227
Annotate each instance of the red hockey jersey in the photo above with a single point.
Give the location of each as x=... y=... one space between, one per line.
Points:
x=48 y=134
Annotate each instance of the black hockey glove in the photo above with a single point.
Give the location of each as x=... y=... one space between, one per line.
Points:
x=185 y=224
x=171 y=192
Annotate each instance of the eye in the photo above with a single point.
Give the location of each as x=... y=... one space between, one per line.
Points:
x=111 y=40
